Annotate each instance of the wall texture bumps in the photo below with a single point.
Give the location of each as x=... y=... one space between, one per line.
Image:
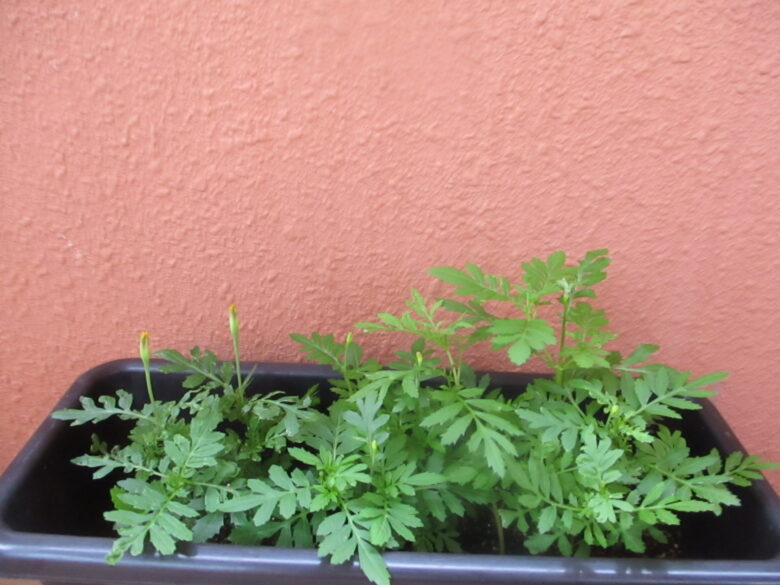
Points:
x=308 y=161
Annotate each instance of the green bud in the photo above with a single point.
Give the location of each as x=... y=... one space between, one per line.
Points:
x=143 y=348
x=233 y=320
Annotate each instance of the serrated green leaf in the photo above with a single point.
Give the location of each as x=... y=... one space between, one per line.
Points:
x=242 y=503
x=126 y=517
x=547 y=519
x=175 y=357
x=380 y=532
x=460 y=474
x=522 y=335
x=642 y=391
x=279 y=477
x=211 y=499
x=287 y=505
x=174 y=527
x=401 y=529
x=372 y=564
x=530 y=501
x=142 y=495
x=322 y=349
x=331 y=523
x=340 y=545
x=681 y=403
x=107 y=406
x=692 y=506
x=667 y=517
x=441 y=416
x=455 y=430
x=161 y=540
x=475 y=283
x=654 y=494
x=539 y=543
x=264 y=512
x=716 y=494
x=694 y=465
x=658 y=409
x=633 y=541
x=207 y=527
x=640 y=354
x=193 y=381
x=519 y=352
x=708 y=379
x=569 y=439
x=410 y=385
x=425 y=478
x=494 y=457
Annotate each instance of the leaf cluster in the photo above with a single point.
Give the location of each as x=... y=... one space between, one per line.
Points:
x=599 y=464
x=412 y=451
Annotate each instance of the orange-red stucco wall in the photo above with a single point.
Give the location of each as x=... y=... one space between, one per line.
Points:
x=309 y=160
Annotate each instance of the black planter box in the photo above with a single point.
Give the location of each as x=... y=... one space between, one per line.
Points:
x=51 y=525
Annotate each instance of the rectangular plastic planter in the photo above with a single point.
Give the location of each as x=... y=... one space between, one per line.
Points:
x=51 y=525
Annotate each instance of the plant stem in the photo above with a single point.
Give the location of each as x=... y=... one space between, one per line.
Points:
x=344 y=368
x=499 y=530
x=564 y=322
x=148 y=377
x=454 y=366
x=237 y=361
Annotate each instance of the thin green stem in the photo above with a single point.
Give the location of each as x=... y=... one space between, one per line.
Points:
x=148 y=377
x=454 y=366
x=574 y=402
x=671 y=475
x=205 y=373
x=237 y=360
x=499 y=530
x=562 y=343
x=345 y=367
x=656 y=400
x=559 y=504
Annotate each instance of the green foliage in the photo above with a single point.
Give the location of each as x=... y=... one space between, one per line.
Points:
x=599 y=467
x=411 y=451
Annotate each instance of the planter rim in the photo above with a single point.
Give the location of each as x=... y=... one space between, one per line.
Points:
x=27 y=556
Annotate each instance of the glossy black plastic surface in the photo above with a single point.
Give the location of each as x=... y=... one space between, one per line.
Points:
x=51 y=525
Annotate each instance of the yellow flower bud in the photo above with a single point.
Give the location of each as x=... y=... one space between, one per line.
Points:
x=233 y=320
x=143 y=348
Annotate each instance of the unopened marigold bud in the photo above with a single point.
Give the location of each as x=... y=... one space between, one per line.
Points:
x=233 y=319
x=143 y=347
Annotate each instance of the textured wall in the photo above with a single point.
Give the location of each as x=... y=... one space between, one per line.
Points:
x=308 y=161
